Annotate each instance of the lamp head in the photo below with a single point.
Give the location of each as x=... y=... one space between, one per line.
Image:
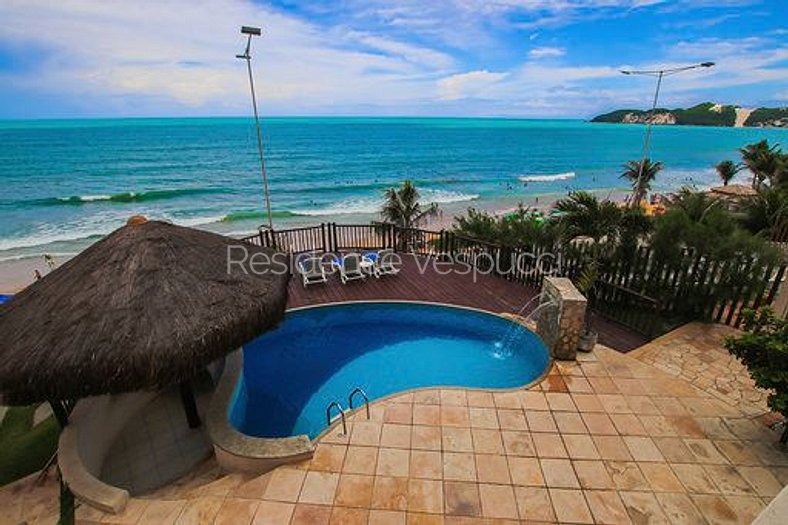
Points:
x=251 y=31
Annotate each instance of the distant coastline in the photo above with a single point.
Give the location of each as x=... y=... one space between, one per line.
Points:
x=705 y=114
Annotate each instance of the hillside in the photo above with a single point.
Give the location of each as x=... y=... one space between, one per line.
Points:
x=706 y=114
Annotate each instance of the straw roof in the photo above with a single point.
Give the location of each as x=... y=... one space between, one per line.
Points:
x=147 y=306
x=733 y=190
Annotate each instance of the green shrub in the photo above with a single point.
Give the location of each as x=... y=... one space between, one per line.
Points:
x=763 y=349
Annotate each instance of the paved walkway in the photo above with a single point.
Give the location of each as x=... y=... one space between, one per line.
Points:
x=610 y=439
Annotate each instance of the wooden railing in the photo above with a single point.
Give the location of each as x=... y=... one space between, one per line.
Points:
x=639 y=290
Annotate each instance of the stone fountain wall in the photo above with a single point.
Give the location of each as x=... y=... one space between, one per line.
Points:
x=560 y=326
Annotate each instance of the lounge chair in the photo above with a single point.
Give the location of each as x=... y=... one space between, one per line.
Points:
x=386 y=263
x=312 y=270
x=350 y=268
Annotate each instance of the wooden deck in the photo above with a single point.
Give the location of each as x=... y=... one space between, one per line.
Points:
x=485 y=292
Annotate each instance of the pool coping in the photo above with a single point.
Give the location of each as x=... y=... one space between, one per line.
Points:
x=237 y=451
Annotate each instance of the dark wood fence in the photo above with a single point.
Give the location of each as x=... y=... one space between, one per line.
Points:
x=638 y=290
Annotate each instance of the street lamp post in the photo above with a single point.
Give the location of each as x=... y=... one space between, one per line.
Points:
x=255 y=31
x=659 y=73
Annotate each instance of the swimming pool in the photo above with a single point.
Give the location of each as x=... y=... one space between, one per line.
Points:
x=321 y=354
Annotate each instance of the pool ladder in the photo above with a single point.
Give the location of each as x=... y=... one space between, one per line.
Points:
x=335 y=404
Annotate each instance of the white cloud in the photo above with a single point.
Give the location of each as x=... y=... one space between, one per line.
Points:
x=467 y=85
x=546 y=52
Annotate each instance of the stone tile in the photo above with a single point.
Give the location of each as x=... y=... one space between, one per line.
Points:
x=366 y=433
x=549 y=445
x=386 y=517
x=674 y=449
x=570 y=506
x=425 y=495
x=461 y=499
x=643 y=448
x=478 y=398
x=319 y=488
x=512 y=419
x=393 y=462
x=525 y=471
x=390 y=493
x=427 y=397
x=694 y=478
x=599 y=424
x=628 y=425
x=426 y=438
x=558 y=473
x=558 y=401
x=577 y=384
x=570 y=423
x=401 y=413
x=273 y=513
x=679 y=509
x=737 y=452
x=728 y=480
x=626 y=475
x=328 y=458
x=587 y=403
x=360 y=460
x=455 y=416
x=603 y=385
x=518 y=443
x=592 y=475
x=643 y=507
x=236 y=511
x=354 y=490
x=253 y=488
x=459 y=466
x=660 y=477
x=497 y=501
x=482 y=417
x=348 y=516
x=612 y=448
x=606 y=507
x=426 y=464
x=540 y=421
x=285 y=485
x=747 y=507
x=200 y=510
x=716 y=509
x=307 y=514
x=454 y=397
x=642 y=405
x=507 y=399
x=705 y=451
x=395 y=435
x=761 y=479
x=158 y=512
x=456 y=439
x=533 y=503
x=531 y=400
x=426 y=415
x=580 y=446
x=487 y=441
x=492 y=468
x=417 y=518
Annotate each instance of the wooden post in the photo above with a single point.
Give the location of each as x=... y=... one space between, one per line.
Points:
x=189 y=404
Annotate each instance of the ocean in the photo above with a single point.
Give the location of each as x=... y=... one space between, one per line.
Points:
x=65 y=183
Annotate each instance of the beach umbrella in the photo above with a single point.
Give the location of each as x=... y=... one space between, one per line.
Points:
x=148 y=306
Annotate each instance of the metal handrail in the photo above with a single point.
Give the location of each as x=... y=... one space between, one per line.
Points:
x=363 y=394
x=341 y=414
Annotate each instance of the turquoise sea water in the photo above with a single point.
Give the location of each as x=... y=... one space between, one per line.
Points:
x=319 y=355
x=65 y=183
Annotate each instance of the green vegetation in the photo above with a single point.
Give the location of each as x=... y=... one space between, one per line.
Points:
x=726 y=170
x=704 y=114
x=520 y=228
x=402 y=206
x=25 y=448
x=768 y=117
x=640 y=174
x=763 y=349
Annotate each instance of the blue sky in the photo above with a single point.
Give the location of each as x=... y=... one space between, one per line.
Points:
x=519 y=58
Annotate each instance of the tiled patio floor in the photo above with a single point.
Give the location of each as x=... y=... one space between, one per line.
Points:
x=608 y=440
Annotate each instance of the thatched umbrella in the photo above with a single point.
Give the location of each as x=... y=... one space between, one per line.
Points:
x=148 y=306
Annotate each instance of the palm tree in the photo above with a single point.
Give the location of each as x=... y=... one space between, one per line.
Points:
x=726 y=170
x=640 y=173
x=402 y=206
x=583 y=215
x=763 y=161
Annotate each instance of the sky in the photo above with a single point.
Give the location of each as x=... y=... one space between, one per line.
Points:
x=513 y=58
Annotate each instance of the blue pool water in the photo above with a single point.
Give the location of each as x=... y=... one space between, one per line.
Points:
x=319 y=355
